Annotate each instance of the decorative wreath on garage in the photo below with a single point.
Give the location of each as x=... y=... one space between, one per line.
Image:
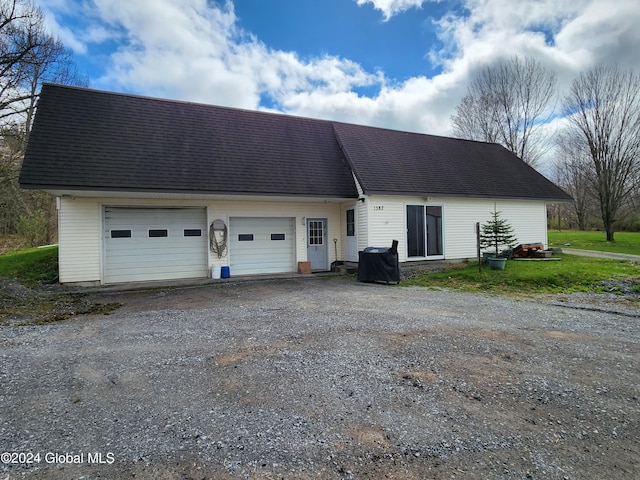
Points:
x=218 y=237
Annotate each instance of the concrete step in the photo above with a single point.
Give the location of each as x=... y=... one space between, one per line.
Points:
x=347 y=268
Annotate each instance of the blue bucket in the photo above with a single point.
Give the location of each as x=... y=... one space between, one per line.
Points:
x=225 y=272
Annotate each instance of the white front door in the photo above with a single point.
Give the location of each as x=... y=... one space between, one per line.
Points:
x=351 y=235
x=317 y=247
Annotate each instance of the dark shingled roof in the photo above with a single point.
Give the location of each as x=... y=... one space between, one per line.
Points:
x=90 y=140
x=390 y=161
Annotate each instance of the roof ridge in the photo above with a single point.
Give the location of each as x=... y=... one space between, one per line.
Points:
x=183 y=102
x=254 y=111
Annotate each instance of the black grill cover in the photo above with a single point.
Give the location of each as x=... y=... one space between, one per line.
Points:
x=379 y=264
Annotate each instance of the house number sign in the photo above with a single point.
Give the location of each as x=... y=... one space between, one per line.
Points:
x=378 y=208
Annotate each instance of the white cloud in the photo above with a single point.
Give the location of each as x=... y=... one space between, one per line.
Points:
x=66 y=35
x=196 y=51
x=188 y=51
x=603 y=32
x=389 y=8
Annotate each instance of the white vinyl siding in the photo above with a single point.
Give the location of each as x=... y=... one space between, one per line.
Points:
x=82 y=231
x=154 y=243
x=528 y=219
x=79 y=240
x=362 y=215
x=388 y=223
x=262 y=245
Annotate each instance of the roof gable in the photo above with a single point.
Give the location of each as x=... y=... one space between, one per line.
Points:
x=389 y=162
x=86 y=139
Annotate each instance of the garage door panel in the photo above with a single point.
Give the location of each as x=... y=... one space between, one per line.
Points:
x=262 y=250
x=145 y=276
x=155 y=251
x=152 y=270
x=262 y=254
x=143 y=257
x=178 y=262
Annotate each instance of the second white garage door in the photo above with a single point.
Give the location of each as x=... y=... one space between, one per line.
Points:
x=261 y=245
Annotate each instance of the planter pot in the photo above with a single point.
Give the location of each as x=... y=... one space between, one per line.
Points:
x=486 y=256
x=304 y=268
x=497 y=263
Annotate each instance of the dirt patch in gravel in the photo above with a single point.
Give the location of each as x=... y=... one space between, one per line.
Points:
x=21 y=305
x=326 y=378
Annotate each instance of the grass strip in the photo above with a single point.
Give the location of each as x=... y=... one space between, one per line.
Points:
x=625 y=242
x=571 y=274
x=30 y=266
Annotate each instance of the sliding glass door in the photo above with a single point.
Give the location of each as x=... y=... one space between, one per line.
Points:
x=424 y=231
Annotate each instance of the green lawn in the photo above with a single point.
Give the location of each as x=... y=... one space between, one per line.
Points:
x=30 y=266
x=625 y=242
x=571 y=274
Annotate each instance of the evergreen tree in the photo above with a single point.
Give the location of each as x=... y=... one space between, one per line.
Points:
x=496 y=232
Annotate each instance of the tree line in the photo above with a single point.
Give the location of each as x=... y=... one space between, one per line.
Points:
x=29 y=56
x=596 y=139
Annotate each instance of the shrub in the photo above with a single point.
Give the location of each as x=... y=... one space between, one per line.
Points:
x=34 y=229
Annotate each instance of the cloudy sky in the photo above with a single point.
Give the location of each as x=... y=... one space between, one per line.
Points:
x=401 y=64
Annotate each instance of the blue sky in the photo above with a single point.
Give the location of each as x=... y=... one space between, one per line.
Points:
x=351 y=31
x=401 y=64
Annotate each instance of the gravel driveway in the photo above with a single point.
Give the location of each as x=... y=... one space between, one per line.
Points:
x=324 y=378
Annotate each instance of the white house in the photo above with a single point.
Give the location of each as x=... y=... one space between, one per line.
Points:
x=152 y=189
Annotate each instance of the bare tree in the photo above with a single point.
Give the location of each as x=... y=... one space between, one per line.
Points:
x=49 y=61
x=603 y=110
x=29 y=55
x=508 y=104
x=21 y=31
x=574 y=173
x=471 y=120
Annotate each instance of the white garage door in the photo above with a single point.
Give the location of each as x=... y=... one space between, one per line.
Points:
x=261 y=245
x=154 y=243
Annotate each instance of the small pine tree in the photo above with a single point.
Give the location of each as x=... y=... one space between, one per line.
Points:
x=496 y=232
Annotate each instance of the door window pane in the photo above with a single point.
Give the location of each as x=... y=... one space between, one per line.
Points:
x=415 y=231
x=316 y=232
x=434 y=230
x=351 y=224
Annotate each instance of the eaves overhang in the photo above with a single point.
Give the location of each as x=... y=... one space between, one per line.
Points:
x=152 y=194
